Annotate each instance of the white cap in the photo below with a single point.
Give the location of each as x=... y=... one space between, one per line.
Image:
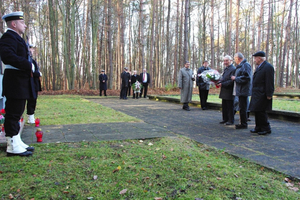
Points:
x=13 y=16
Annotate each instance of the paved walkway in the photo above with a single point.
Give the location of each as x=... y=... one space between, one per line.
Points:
x=279 y=150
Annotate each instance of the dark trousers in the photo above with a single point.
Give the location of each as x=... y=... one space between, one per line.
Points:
x=227 y=110
x=124 y=92
x=145 y=89
x=31 y=105
x=14 y=109
x=129 y=90
x=261 y=121
x=203 y=97
x=243 y=110
x=101 y=92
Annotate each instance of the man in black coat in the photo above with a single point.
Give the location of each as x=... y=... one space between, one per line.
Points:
x=242 y=87
x=262 y=92
x=31 y=103
x=125 y=76
x=203 y=86
x=226 y=91
x=103 y=82
x=145 y=79
x=134 y=78
x=17 y=81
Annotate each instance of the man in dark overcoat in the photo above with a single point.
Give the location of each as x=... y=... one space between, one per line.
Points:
x=242 y=87
x=262 y=92
x=226 y=92
x=134 y=78
x=17 y=81
x=203 y=86
x=31 y=103
x=103 y=82
x=125 y=76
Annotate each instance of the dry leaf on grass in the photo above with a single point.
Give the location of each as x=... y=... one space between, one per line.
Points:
x=123 y=191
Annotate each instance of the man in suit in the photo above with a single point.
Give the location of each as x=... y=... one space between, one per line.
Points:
x=103 y=82
x=17 y=81
x=203 y=86
x=226 y=91
x=31 y=103
x=145 y=79
x=125 y=76
x=262 y=92
x=242 y=87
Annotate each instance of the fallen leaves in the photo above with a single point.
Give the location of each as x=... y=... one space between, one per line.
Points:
x=117 y=169
x=123 y=191
x=290 y=185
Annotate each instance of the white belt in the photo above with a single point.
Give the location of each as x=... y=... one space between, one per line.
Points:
x=11 y=67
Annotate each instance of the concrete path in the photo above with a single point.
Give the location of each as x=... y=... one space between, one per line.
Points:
x=279 y=150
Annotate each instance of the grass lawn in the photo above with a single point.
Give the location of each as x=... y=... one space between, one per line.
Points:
x=161 y=168
x=169 y=168
x=278 y=104
x=72 y=109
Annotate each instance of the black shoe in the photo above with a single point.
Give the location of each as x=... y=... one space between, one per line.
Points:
x=223 y=122
x=264 y=132
x=187 y=109
x=254 y=131
x=204 y=108
x=30 y=149
x=248 y=119
x=240 y=126
x=26 y=153
x=229 y=123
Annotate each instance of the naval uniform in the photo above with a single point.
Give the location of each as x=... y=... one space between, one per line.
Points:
x=17 y=80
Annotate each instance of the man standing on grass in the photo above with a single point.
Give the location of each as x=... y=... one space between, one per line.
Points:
x=17 y=81
x=262 y=92
x=242 y=87
x=185 y=84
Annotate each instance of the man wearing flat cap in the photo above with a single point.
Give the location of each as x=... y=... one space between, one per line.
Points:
x=17 y=81
x=103 y=82
x=262 y=92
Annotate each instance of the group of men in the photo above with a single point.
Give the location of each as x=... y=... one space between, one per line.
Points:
x=237 y=82
x=20 y=82
x=138 y=83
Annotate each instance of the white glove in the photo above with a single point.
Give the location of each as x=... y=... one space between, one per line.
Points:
x=41 y=74
x=32 y=67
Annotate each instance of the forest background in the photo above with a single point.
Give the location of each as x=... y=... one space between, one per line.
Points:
x=75 y=39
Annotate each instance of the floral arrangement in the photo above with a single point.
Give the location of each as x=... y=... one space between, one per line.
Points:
x=137 y=86
x=211 y=76
x=2 y=116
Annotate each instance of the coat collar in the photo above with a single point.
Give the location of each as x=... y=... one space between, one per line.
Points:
x=261 y=66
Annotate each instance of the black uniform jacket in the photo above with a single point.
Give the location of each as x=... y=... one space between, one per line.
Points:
x=226 y=91
x=263 y=87
x=17 y=84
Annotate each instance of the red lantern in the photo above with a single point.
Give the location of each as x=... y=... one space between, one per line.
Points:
x=37 y=122
x=39 y=135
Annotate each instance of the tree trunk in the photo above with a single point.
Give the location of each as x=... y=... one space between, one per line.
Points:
x=212 y=39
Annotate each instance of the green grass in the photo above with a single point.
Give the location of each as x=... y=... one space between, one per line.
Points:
x=72 y=109
x=278 y=104
x=171 y=168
